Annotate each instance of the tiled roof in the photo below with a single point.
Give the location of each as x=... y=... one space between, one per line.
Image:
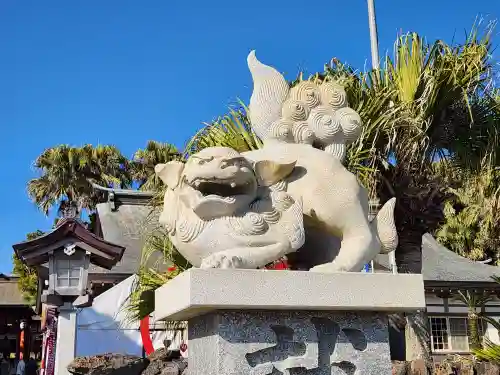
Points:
x=127 y=221
x=9 y=293
x=37 y=251
x=442 y=265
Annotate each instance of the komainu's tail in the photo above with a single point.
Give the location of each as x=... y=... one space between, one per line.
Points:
x=385 y=227
x=309 y=113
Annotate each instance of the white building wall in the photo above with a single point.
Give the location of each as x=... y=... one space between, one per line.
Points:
x=492 y=332
x=104 y=327
x=437 y=305
x=431 y=299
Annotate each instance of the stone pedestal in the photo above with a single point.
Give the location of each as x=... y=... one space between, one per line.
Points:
x=66 y=339
x=287 y=322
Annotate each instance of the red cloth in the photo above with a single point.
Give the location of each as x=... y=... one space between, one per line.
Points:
x=147 y=343
x=280 y=264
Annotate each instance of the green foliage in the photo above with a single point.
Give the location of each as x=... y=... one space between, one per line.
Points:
x=160 y=263
x=472 y=216
x=28 y=279
x=232 y=130
x=490 y=352
x=434 y=100
x=151 y=277
x=67 y=174
x=143 y=163
x=425 y=99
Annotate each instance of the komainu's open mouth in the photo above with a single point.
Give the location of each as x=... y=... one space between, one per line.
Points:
x=220 y=188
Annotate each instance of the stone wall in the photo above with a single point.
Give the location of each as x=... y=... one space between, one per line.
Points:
x=161 y=362
x=448 y=368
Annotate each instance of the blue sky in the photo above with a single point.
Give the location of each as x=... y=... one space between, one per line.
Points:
x=123 y=72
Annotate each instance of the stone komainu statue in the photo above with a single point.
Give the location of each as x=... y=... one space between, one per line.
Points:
x=229 y=210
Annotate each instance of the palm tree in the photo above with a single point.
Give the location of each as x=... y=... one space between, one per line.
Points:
x=432 y=92
x=144 y=161
x=150 y=276
x=434 y=104
x=473 y=301
x=67 y=174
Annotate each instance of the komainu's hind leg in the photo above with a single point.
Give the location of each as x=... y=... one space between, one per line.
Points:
x=359 y=245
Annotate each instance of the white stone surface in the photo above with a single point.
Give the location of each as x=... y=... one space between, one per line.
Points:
x=223 y=209
x=198 y=291
x=66 y=339
x=216 y=218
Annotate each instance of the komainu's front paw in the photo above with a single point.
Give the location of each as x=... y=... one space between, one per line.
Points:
x=221 y=260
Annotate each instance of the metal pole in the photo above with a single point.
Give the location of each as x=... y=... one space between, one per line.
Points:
x=372 y=23
x=392 y=262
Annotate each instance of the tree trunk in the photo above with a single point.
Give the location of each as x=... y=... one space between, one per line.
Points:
x=417 y=337
x=418 y=211
x=473 y=323
x=409 y=260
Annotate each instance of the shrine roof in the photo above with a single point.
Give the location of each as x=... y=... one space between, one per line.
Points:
x=10 y=295
x=127 y=218
x=102 y=252
x=441 y=265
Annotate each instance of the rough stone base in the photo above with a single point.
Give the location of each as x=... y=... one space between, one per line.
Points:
x=289 y=343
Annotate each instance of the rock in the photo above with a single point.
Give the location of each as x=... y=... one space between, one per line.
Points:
x=164 y=355
x=440 y=370
x=485 y=368
x=418 y=367
x=155 y=367
x=465 y=369
x=170 y=369
x=108 y=364
x=399 y=368
x=162 y=359
x=183 y=364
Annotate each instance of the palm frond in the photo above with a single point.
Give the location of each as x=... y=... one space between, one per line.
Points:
x=490 y=352
x=160 y=262
x=144 y=161
x=232 y=130
x=473 y=300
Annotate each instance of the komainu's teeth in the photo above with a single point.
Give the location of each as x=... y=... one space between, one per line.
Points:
x=197 y=183
x=233 y=184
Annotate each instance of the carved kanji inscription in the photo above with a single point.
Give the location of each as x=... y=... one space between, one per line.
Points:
x=286 y=356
